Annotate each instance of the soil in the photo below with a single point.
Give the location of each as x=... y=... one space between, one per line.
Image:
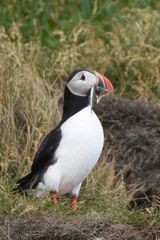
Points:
x=47 y=228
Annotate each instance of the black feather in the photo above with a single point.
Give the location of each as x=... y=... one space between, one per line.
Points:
x=43 y=158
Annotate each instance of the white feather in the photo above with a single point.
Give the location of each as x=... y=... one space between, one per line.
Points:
x=79 y=150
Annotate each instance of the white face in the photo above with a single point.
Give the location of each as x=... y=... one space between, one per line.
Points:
x=82 y=82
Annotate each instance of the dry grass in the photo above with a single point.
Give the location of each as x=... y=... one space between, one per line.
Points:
x=30 y=90
x=77 y=229
x=31 y=76
x=135 y=54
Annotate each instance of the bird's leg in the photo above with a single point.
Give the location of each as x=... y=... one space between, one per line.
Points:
x=54 y=197
x=74 y=196
x=74 y=203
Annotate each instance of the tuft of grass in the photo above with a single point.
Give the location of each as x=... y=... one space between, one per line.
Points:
x=135 y=48
x=26 y=101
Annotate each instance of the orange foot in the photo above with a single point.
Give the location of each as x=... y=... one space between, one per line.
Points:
x=54 y=198
x=74 y=203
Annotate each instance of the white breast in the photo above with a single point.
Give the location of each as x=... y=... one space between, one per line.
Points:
x=78 y=151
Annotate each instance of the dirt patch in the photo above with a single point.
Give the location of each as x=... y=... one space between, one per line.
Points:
x=47 y=228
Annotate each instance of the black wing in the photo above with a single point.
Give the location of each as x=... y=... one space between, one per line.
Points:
x=45 y=154
x=43 y=158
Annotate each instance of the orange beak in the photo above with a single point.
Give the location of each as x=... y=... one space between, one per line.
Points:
x=108 y=87
x=102 y=88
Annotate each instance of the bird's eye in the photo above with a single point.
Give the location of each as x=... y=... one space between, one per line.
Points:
x=82 y=77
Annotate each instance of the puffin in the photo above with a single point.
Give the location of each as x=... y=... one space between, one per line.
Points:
x=69 y=152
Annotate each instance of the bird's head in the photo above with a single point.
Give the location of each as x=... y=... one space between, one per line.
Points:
x=89 y=83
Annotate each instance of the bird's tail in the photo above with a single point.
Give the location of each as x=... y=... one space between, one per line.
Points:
x=27 y=182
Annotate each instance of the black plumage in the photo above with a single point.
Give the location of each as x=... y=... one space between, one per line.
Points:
x=43 y=158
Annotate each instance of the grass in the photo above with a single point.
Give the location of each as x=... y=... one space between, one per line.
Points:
x=98 y=200
x=37 y=51
x=41 y=18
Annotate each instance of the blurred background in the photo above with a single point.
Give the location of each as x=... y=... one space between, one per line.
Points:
x=120 y=38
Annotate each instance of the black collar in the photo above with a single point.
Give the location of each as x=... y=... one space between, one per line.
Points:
x=73 y=104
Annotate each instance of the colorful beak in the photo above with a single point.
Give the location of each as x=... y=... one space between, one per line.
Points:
x=108 y=84
x=104 y=86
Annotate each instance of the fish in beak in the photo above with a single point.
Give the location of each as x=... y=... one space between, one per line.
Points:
x=102 y=88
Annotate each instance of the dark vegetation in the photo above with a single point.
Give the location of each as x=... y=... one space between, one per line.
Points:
x=52 y=228
x=132 y=130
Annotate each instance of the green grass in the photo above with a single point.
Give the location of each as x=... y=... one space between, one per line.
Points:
x=41 y=18
x=100 y=197
x=93 y=203
x=41 y=42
